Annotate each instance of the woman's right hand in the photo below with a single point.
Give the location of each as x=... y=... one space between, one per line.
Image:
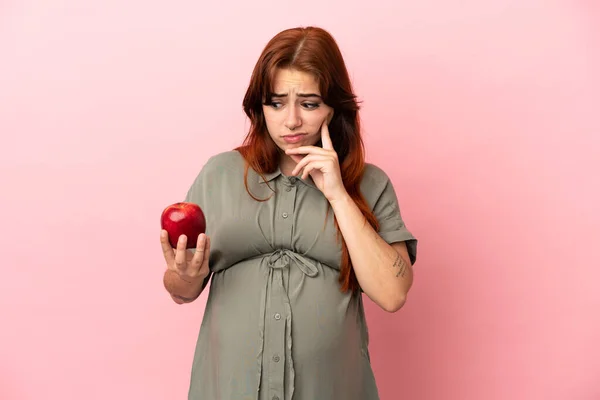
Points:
x=190 y=266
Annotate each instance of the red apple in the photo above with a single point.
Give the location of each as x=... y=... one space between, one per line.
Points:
x=183 y=219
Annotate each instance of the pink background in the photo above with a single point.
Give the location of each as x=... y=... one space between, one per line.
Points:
x=486 y=116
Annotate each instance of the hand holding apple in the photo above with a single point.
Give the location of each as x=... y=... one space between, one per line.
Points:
x=183 y=228
x=190 y=266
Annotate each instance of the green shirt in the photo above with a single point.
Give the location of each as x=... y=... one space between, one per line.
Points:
x=276 y=325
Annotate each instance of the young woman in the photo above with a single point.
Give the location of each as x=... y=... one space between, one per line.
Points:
x=298 y=227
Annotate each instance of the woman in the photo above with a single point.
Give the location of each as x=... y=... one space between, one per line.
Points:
x=298 y=226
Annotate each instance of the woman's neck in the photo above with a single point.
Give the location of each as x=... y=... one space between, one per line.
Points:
x=286 y=165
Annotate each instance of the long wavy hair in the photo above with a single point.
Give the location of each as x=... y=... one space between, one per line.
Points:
x=311 y=50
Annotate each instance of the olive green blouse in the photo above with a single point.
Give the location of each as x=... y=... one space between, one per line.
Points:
x=276 y=325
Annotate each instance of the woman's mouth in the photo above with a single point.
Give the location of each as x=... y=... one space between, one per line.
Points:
x=294 y=138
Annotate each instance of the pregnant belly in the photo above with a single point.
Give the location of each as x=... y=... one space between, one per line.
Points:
x=325 y=323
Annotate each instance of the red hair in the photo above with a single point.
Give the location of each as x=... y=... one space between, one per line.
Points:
x=311 y=50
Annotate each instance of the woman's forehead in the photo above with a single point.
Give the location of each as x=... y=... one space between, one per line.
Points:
x=287 y=81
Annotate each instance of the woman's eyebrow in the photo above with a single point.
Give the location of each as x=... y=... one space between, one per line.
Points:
x=299 y=95
x=308 y=95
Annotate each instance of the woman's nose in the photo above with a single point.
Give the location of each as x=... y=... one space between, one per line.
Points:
x=292 y=120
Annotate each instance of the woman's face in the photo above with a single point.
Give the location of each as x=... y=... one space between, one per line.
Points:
x=297 y=111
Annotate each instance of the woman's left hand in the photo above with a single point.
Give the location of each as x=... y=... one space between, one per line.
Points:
x=322 y=164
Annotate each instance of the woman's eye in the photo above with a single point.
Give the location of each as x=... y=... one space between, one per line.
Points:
x=276 y=104
x=310 y=106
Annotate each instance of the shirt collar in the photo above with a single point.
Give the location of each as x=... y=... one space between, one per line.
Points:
x=273 y=175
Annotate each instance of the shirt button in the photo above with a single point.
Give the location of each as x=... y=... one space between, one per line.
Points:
x=276 y=358
x=275 y=398
x=293 y=179
x=277 y=316
x=284 y=215
x=288 y=189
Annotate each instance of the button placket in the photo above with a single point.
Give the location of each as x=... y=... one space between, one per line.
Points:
x=277 y=336
x=275 y=356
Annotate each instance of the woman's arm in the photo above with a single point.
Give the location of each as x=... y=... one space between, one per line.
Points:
x=383 y=271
